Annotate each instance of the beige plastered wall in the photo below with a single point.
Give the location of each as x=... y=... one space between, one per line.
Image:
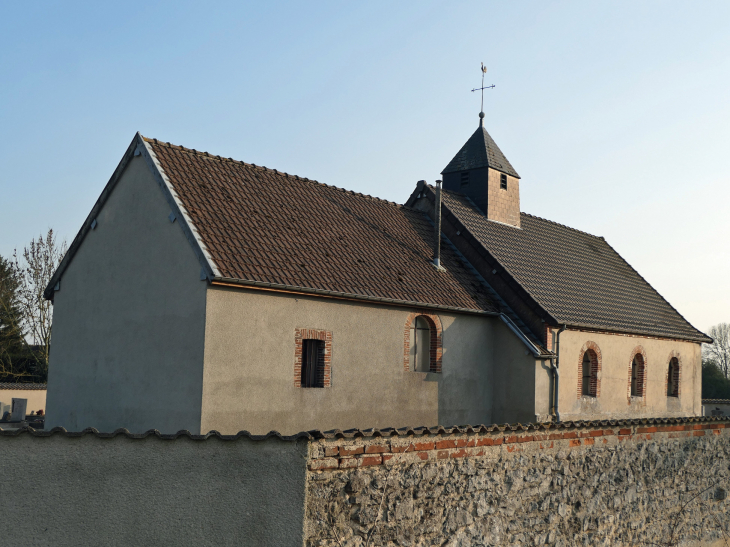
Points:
x=504 y=205
x=248 y=381
x=617 y=352
x=36 y=399
x=129 y=319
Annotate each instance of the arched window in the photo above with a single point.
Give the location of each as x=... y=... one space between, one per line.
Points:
x=637 y=376
x=590 y=373
x=673 y=378
x=420 y=345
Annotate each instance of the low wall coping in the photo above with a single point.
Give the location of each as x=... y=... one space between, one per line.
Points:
x=375 y=433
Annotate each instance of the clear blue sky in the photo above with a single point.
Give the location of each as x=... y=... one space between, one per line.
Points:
x=615 y=114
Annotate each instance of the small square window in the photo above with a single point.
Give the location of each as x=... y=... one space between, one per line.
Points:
x=503 y=181
x=465 y=178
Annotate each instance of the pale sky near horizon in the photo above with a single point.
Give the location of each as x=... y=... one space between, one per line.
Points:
x=615 y=114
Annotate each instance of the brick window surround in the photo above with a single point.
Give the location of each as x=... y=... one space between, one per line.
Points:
x=677 y=375
x=312 y=334
x=594 y=354
x=639 y=354
x=434 y=324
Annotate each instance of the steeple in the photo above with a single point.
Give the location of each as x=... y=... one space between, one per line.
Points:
x=480 y=151
x=481 y=171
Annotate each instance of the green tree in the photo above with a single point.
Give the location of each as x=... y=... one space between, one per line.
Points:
x=714 y=383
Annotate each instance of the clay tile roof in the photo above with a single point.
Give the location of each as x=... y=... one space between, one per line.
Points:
x=480 y=151
x=261 y=225
x=578 y=278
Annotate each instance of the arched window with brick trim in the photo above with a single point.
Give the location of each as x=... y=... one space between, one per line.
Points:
x=637 y=372
x=637 y=376
x=589 y=368
x=422 y=343
x=673 y=378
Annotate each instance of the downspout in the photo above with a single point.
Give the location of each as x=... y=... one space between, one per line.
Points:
x=556 y=375
x=437 y=222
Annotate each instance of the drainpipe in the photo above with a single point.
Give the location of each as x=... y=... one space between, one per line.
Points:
x=556 y=374
x=437 y=222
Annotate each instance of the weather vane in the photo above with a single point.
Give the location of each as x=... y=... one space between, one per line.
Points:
x=484 y=71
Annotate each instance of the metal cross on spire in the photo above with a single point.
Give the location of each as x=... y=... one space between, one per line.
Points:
x=481 y=113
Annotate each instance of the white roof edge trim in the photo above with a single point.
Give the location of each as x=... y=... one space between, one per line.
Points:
x=189 y=226
x=525 y=340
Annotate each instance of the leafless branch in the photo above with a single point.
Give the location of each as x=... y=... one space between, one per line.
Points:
x=39 y=262
x=719 y=350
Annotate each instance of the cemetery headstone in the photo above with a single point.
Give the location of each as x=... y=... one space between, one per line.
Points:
x=19 y=408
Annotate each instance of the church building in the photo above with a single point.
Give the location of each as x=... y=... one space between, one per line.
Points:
x=204 y=293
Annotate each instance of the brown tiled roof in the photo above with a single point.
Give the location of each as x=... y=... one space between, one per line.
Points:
x=262 y=225
x=480 y=151
x=578 y=278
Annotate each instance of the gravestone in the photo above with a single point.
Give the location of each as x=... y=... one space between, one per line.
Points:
x=18 y=412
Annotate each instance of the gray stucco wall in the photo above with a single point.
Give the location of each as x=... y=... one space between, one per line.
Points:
x=129 y=320
x=521 y=383
x=249 y=367
x=65 y=491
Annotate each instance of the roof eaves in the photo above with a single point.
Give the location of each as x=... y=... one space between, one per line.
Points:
x=279 y=287
x=524 y=339
x=703 y=338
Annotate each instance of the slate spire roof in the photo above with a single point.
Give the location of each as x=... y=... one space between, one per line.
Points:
x=480 y=151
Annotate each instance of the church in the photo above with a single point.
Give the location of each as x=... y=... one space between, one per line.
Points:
x=205 y=293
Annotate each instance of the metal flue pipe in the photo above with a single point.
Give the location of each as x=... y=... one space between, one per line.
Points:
x=437 y=222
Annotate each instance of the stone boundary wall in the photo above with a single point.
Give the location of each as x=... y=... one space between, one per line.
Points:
x=620 y=483
x=609 y=483
x=365 y=452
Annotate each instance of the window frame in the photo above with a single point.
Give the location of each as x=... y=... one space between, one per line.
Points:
x=436 y=342
x=593 y=352
x=674 y=375
x=323 y=336
x=638 y=356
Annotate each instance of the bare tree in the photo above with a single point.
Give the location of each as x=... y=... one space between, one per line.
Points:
x=39 y=262
x=14 y=355
x=719 y=350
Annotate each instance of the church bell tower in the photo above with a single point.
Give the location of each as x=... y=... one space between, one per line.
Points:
x=481 y=172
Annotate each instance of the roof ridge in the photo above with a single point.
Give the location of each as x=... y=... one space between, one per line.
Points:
x=563 y=225
x=263 y=167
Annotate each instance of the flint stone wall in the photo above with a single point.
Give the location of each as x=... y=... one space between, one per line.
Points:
x=596 y=485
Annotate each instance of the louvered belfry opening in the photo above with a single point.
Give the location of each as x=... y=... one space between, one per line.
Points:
x=312 y=363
